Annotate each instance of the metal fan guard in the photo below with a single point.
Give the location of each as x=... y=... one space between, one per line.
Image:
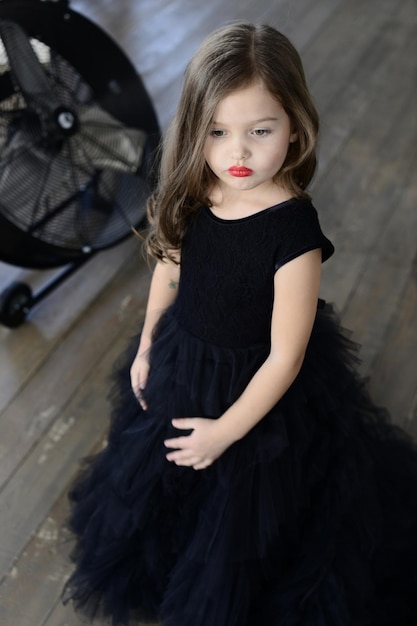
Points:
x=94 y=203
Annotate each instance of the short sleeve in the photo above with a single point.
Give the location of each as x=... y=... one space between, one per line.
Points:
x=300 y=232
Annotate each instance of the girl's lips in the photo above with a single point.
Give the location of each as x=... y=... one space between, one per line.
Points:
x=239 y=171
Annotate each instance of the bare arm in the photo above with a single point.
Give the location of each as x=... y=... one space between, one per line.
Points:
x=162 y=293
x=296 y=287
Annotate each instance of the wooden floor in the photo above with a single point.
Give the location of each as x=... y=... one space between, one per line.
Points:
x=361 y=58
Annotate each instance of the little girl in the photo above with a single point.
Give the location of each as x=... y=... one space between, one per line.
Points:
x=248 y=479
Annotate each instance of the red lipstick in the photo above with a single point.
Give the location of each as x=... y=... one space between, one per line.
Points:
x=239 y=171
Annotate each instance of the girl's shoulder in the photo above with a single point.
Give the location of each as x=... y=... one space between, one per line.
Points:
x=298 y=230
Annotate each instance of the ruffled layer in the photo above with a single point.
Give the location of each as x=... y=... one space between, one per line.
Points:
x=310 y=520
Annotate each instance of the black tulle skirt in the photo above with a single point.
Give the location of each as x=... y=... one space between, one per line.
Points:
x=309 y=520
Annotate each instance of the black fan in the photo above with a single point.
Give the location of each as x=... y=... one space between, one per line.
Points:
x=78 y=137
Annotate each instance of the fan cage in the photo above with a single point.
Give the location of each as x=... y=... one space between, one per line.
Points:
x=82 y=191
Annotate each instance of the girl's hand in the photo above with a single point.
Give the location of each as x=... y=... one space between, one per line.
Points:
x=200 y=449
x=138 y=377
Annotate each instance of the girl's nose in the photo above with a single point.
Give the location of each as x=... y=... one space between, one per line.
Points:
x=240 y=155
x=240 y=151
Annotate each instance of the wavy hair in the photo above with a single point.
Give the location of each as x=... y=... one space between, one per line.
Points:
x=231 y=58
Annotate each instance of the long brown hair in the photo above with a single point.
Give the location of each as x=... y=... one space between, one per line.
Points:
x=230 y=58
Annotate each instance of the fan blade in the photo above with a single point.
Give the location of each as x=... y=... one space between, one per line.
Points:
x=105 y=143
x=26 y=68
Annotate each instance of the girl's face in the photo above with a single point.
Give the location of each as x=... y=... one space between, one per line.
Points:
x=248 y=140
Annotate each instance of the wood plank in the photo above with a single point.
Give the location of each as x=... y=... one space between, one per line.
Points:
x=376 y=171
x=62 y=371
x=394 y=378
x=41 y=473
x=371 y=171
x=348 y=154
x=41 y=571
x=343 y=45
x=25 y=349
x=382 y=219
x=303 y=22
x=345 y=94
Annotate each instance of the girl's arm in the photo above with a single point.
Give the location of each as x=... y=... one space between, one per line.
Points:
x=295 y=305
x=162 y=293
x=296 y=287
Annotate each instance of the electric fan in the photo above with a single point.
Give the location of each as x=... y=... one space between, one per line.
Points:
x=78 y=138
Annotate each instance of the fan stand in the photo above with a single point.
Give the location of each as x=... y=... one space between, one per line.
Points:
x=121 y=96
x=17 y=299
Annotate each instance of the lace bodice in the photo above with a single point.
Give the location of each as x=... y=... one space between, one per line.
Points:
x=225 y=293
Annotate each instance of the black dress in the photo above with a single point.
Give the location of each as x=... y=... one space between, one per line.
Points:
x=309 y=520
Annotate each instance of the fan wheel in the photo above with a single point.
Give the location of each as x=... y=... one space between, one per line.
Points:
x=15 y=303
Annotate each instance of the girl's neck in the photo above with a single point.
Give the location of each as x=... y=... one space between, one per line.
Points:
x=234 y=205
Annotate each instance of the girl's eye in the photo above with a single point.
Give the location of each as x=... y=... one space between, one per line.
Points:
x=261 y=132
x=217 y=133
